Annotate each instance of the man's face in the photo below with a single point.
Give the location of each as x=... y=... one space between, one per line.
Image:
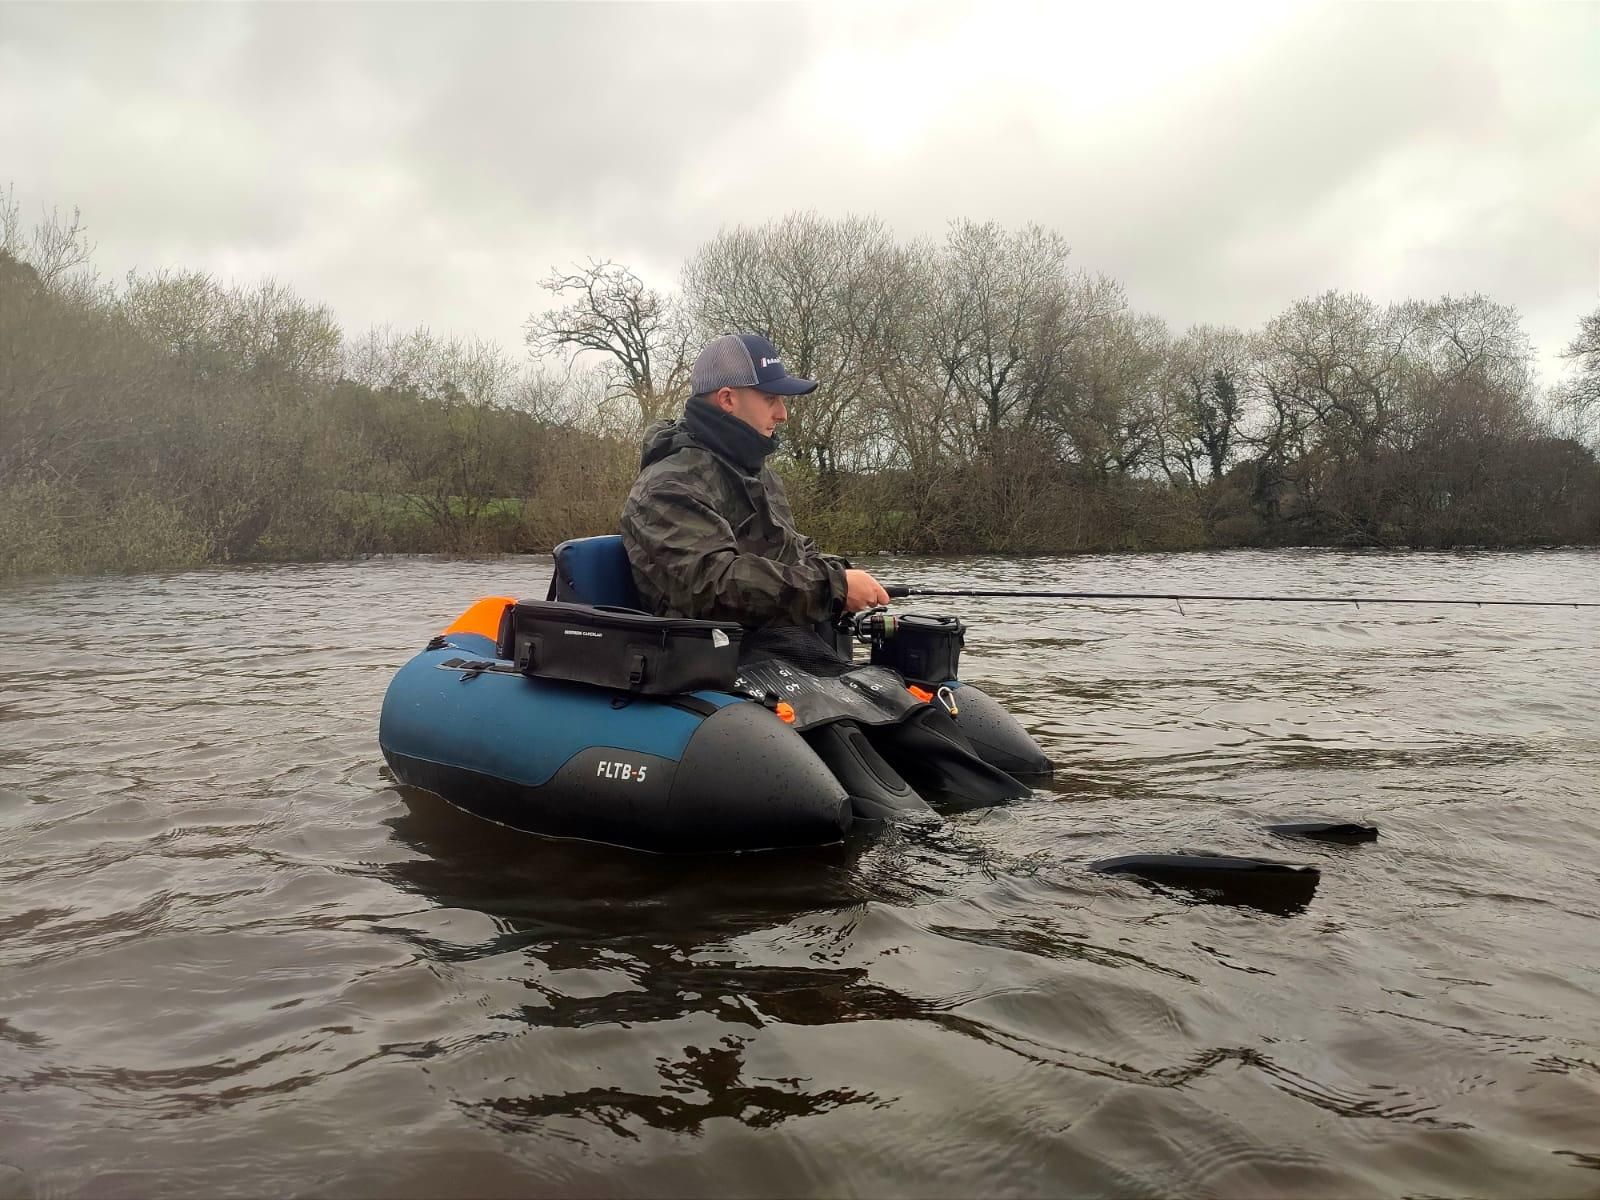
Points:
x=760 y=410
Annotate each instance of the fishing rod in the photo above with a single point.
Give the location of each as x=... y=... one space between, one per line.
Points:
x=901 y=591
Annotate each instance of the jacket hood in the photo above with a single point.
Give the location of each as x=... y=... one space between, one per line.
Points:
x=662 y=439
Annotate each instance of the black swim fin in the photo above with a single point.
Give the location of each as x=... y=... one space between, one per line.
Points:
x=877 y=791
x=929 y=750
x=1260 y=883
x=1347 y=833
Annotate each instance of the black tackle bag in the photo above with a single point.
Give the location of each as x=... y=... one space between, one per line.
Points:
x=923 y=649
x=619 y=648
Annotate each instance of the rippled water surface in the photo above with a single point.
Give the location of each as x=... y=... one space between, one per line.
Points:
x=236 y=960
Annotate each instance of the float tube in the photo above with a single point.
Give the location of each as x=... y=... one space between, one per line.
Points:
x=705 y=771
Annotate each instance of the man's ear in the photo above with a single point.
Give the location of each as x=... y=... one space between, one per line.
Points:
x=723 y=399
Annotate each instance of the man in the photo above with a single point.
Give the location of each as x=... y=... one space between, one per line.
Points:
x=707 y=526
x=709 y=534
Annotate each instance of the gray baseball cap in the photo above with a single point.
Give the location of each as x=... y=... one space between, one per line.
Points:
x=744 y=360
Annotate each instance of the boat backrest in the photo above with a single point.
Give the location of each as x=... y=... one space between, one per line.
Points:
x=594 y=570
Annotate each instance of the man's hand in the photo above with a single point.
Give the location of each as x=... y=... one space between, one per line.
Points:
x=862 y=591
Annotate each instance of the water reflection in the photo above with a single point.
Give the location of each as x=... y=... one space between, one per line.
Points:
x=716 y=1074
x=650 y=925
x=542 y=888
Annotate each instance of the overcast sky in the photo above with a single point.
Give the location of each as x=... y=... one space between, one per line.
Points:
x=428 y=163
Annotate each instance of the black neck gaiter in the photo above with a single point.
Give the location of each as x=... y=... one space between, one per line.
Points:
x=726 y=435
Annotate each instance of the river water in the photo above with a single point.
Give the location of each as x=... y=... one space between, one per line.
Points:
x=237 y=960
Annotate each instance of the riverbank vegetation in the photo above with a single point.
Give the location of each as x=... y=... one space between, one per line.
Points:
x=978 y=393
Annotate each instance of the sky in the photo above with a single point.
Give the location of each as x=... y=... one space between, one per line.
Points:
x=427 y=164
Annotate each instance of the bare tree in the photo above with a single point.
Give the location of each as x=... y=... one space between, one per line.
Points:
x=640 y=331
x=1203 y=397
x=181 y=311
x=273 y=334
x=1106 y=406
x=1358 y=402
x=1459 y=335
x=921 y=420
x=1008 y=315
x=11 y=243
x=1584 y=350
x=564 y=399
x=57 y=246
x=266 y=333
x=1336 y=368
x=1333 y=374
x=1577 y=400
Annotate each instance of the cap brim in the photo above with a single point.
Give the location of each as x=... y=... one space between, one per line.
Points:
x=789 y=385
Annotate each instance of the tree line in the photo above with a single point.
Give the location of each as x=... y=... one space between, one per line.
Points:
x=978 y=393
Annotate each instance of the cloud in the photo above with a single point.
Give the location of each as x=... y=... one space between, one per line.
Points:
x=429 y=163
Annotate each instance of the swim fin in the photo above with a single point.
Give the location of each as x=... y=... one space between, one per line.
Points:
x=877 y=791
x=931 y=753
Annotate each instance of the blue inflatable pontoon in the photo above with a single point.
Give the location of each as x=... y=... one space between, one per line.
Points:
x=709 y=770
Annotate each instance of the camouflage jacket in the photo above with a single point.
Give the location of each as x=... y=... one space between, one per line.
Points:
x=710 y=538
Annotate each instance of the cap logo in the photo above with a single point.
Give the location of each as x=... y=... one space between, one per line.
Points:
x=771 y=362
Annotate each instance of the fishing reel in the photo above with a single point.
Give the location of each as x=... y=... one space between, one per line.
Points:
x=871 y=626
